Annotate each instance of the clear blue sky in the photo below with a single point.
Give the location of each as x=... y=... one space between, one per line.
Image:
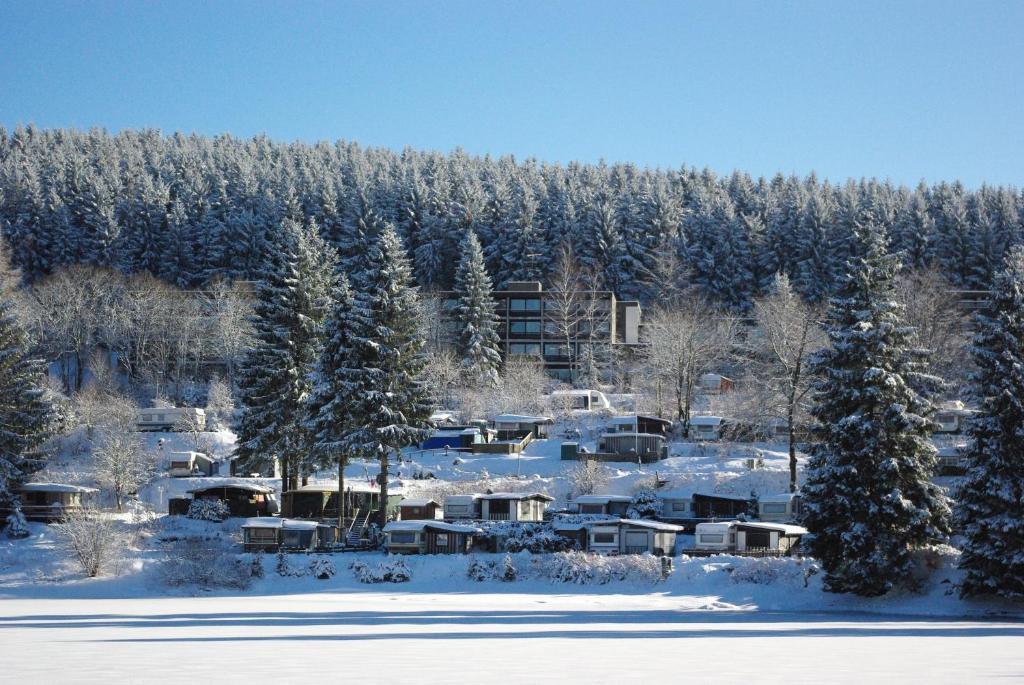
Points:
x=899 y=90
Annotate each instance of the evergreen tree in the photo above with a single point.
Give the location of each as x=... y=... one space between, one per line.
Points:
x=336 y=380
x=274 y=378
x=990 y=503
x=26 y=414
x=392 y=404
x=475 y=315
x=868 y=501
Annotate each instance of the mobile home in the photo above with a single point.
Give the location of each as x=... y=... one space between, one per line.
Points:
x=636 y=436
x=631 y=536
x=49 y=502
x=781 y=507
x=242 y=499
x=171 y=418
x=952 y=417
x=516 y=426
x=462 y=507
x=186 y=464
x=706 y=428
x=514 y=506
x=270 y=534
x=609 y=505
x=745 y=536
x=581 y=400
x=428 y=537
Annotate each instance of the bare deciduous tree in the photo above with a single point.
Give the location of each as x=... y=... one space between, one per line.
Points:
x=575 y=315
x=122 y=465
x=93 y=539
x=788 y=333
x=586 y=478
x=940 y=325
x=686 y=341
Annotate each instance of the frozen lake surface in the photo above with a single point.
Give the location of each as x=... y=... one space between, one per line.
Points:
x=449 y=637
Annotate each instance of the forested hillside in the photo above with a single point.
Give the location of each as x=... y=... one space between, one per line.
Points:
x=189 y=209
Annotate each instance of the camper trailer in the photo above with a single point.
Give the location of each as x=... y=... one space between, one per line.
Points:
x=782 y=507
x=631 y=536
x=706 y=428
x=428 y=537
x=171 y=418
x=462 y=507
x=952 y=417
x=581 y=400
x=746 y=536
x=609 y=505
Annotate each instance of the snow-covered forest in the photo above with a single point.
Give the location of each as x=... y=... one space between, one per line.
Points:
x=194 y=209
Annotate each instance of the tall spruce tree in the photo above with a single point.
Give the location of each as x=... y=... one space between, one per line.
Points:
x=990 y=503
x=868 y=500
x=392 y=404
x=337 y=379
x=475 y=315
x=292 y=302
x=26 y=413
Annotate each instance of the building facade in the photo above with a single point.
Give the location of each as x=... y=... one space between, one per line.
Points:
x=563 y=330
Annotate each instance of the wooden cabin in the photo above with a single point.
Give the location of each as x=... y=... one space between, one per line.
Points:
x=631 y=536
x=321 y=501
x=187 y=464
x=720 y=506
x=747 y=536
x=514 y=506
x=779 y=508
x=516 y=426
x=50 y=502
x=419 y=509
x=242 y=499
x=609 y=505
x=428 y=537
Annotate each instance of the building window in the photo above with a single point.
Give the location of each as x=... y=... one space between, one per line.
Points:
x=458 y=508
x=524 y=348
x=521 y=305
x=525 y=327
x=604 y=538
x=680 y=506
x=442 y=539
x=556 y=350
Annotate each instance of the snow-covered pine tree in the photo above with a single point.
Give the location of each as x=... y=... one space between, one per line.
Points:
x=392 y=405
x=26 y=414
x=292 y=301
x=868 y=500
x=476 y=318
x=990 y=502
x=336 y=379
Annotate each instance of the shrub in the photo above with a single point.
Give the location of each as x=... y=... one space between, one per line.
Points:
x=199 y=562
x=17 y=526
x=644 y=505
x=93 y=540
x=586 y=569
x=533 y=537
x=508 y=570
x=285 y=569
x=480 y=570
x=257 y=565
x=208 y=510
x=322 y=568
x=388 y=572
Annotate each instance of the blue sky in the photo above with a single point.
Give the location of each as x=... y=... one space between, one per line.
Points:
x=898 y=90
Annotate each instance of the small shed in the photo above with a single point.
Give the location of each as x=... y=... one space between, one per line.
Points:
x=416 y=509
x=632 y=536
x=952 y=417
x=781 y=507
x=428 y=537
x=611 y=505
x=242 y=499
x=52 y=501
x=270 y=534
x=514 y=506
x=186 y=464
x=320 y=501
x=518 y=426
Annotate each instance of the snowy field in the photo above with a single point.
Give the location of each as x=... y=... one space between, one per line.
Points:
x=457 y=637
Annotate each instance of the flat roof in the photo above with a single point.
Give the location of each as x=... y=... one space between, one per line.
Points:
x=417 y=526
x=253 y=487
x=784 y=528
x=418 y=502
x=781 y=497
x=638 y=523
x=521 y=418
x=705 y=420
x=54 y=487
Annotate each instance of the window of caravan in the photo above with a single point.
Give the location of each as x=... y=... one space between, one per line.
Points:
x=705 y=429
x=712 y=537
x=263 y=534
x=680 y=506
x=442 y=539
x=773 y=507
x=458 y=507
x=605 y=538
x=403 y=537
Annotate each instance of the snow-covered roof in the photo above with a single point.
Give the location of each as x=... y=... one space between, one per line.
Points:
x=253 y=487
x=442 y=417
x=705 y=420
x=418 y=526
x=174 y=456
x=518 y=496
x=521 y=418
x=675 y=494
x=715 y=525
x=262 y=522
x=292 y=524
x=453 y=432
x=951 y=451
x=784 y=528
x=54 y=487
x=351 y=485
x=602 y=499
x=713 y=378
x=640 y=523
x=784 y=497
x=418 y=502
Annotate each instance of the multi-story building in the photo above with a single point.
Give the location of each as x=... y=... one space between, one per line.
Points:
x=561 y=328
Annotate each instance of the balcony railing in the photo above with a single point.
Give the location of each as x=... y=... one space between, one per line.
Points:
x=498 y=516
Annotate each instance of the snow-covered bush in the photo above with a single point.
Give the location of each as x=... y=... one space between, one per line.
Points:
x=17 y=526
x=587 y=569
x=388 y=572
x=645 y=505
x=322 y=568
x=93 y=539
x=208 y=510
x=200 y=562
x=772 y=570
x=532 y=537
x=479 y=570
x=285 y=569
x=586 y=478
x=508 y=570
x=256 y=567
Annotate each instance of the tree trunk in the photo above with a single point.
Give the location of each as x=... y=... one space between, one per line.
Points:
x=383 y=503
x=284 y=477
x=792 y=449
x=341 y=497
